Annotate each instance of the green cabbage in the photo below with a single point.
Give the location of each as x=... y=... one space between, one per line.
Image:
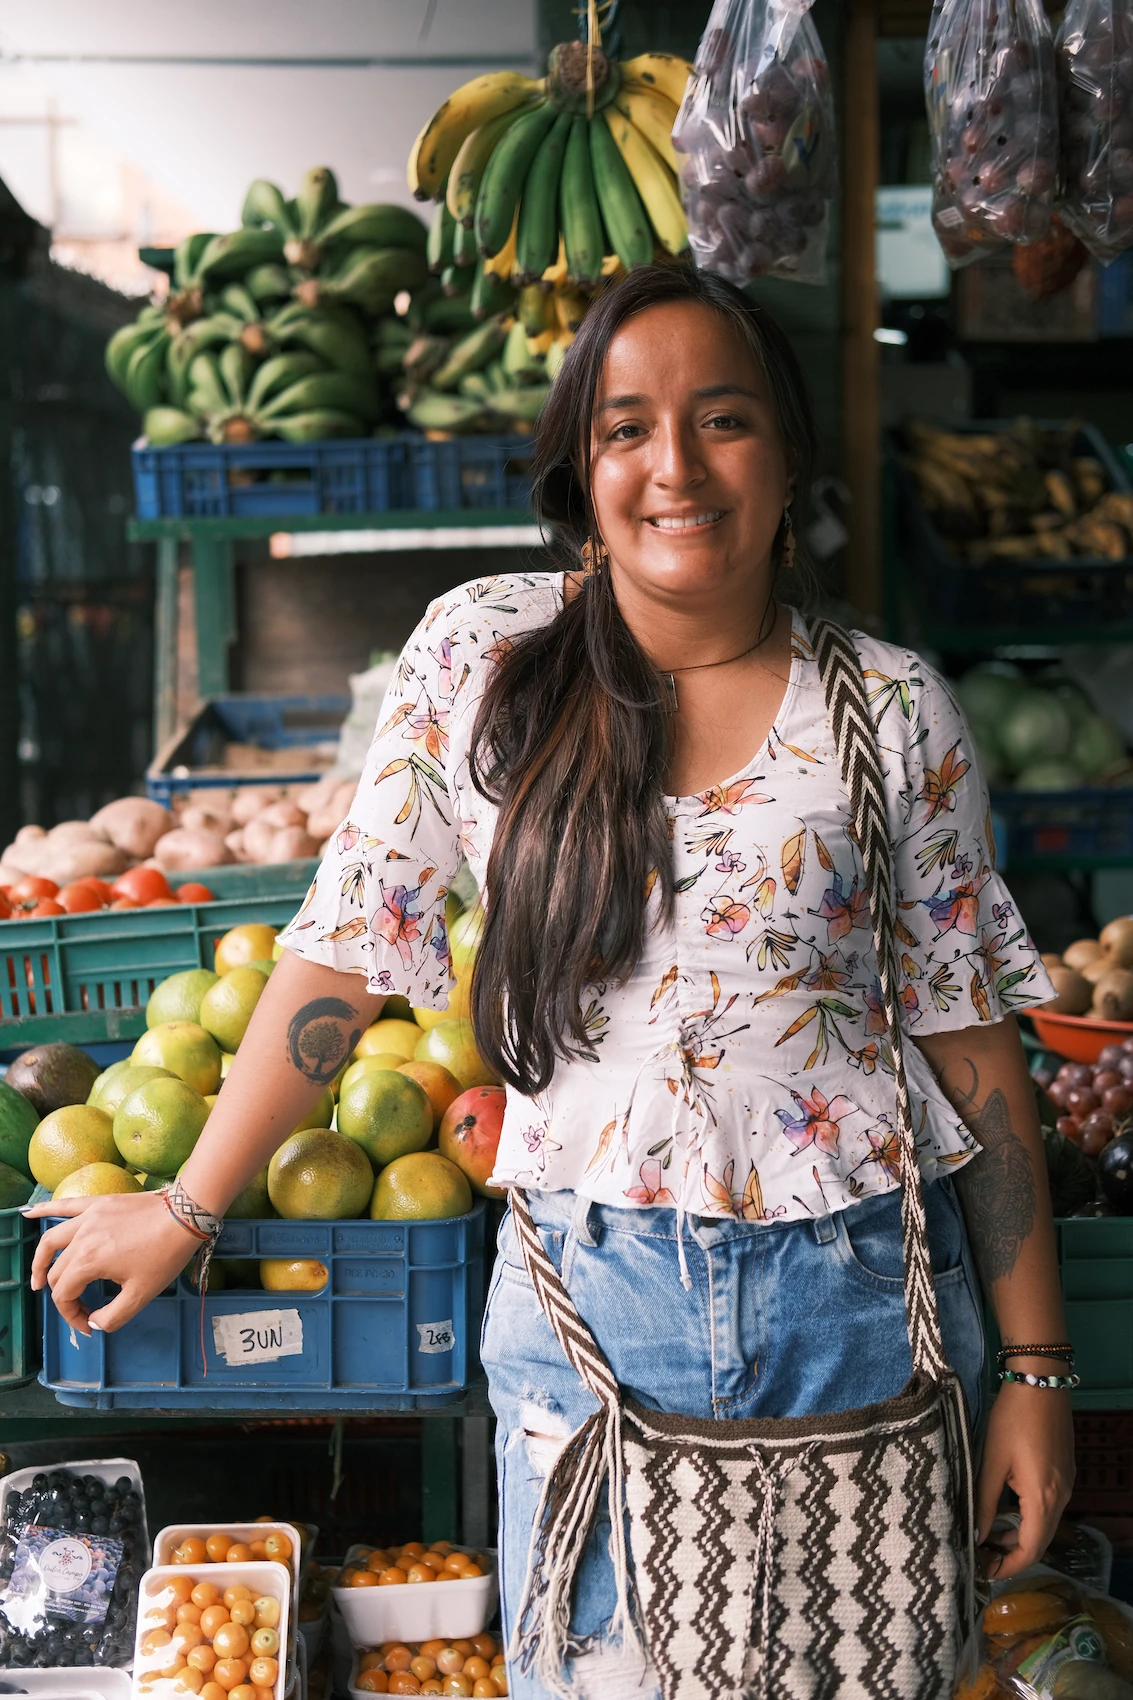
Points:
x=991 y=757
x=1096 y=745
x=987 y=694
x=1049 y=776
x=1037 y=728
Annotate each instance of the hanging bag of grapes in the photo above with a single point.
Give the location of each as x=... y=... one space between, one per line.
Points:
x=756 y=129
x=1094 y=56
x=993 y=116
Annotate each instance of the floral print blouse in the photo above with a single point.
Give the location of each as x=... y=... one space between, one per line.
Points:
x=743 y=1070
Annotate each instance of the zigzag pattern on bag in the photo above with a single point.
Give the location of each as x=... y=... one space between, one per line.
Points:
x=862 y=776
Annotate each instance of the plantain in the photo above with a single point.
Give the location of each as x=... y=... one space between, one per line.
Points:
x=622 y=211
x=144 y=381
x=504 y=175
x=521 y=406
x=475 y=385
x=489 y=294
x=279 y=373
x=468 y=167
x=500 y=266
x=207 y=394
x=581 y=219
x=264 y=204
x=164 y=427
x=319 y=422
x=123 y=344
x=464 y=246
x=457 y=280
x=429 y=410
x=316 y=200
x=232 y=255
x=269 y=283
x=236 y=368
x=537 y=235
x=468 y=108
x=534 y=308
x=334 y=336
x=519 y=362
x=370 y=278
x=348 y=391
x=654 y=181
x=471 y=353
x=438 y=250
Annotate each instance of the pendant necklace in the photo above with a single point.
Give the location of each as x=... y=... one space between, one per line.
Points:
x=668 y=676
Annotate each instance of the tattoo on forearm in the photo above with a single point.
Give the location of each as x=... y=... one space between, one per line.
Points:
x=316 y=1042
x=997 y=1190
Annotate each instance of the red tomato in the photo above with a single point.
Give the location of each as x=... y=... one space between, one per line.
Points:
x=31 y=887
x=125 y=903
x=46 y=906
x=143 y=885
x=78 y=898
x=159 y=903
x=5 y=906
x=101 y=888
x=191 y=892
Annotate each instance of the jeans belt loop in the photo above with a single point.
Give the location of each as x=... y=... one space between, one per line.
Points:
x=580 y=1221
x=826 y=1229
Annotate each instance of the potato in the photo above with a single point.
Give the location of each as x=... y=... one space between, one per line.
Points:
x=323 y=822
x=28 y=834
x=316 y=796
x=258 y=835
x=185 y=850
x=1113 y=996
x=1073 y=993
x=81 y=859
x=9 y=873
x=1116 y=941
x=134 y=824
x=283 y=813
x=1081 y=953
x=290 y=843
x=198 y=816
x=248 y=802
x=235 y=842
x=74 y=832
x=25 y=857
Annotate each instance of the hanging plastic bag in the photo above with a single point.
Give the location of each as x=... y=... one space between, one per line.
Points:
x=1094 y=58
x=993 y=114
x=1044 y=1637
x=757 y=128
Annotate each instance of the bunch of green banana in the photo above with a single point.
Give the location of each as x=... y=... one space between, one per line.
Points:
x=316 y=223
x=581 y=159
x=495 y=378
x=364 y=277
x=135 y=359
x=295 y=395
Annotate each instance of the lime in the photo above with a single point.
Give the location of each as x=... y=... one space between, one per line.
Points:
x=179 y=997
x=387 y=1113
x=185 y=1049
x=158 y=1125
x=69 y=1139
x=321 y=1175
x=227 y=1007
x=120 y=1079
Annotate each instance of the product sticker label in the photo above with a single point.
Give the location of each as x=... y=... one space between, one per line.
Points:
x=436 y=1336
x=950 y=218
x=258 y=1336
x=70 y=1576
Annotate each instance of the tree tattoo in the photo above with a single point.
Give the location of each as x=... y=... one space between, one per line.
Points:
x=998 y=1190
x=316 y=1042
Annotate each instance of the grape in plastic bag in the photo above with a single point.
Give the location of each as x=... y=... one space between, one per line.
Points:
x=72 y=1552
x=757 y=129
x=992 y=102
x=1094 y=60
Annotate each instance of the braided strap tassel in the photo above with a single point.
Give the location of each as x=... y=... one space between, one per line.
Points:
x=861 y=773
x=570 y=1493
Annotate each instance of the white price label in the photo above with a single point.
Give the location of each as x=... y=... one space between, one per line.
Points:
x=258 y=1337
x=436 y=1336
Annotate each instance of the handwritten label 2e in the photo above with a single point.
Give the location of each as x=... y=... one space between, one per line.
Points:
x=436 y=1336
x=258 y=1337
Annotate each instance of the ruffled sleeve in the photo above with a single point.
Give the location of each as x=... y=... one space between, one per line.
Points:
x=377 y=904
x=966 y=955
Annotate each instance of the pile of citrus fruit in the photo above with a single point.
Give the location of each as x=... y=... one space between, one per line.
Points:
x=198 y=1639
x=470 y=1667
x=381 y=1567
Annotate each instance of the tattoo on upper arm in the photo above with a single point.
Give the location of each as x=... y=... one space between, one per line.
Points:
x=997 y=1189
x=316 y=1041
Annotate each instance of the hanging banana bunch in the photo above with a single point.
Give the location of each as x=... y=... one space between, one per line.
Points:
x=563 y=180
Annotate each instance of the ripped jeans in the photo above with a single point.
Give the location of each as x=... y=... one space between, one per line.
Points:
x=782 y=1319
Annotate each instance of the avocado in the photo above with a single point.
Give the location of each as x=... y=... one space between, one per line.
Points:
x=53 y=1076
x=15 y=1189
x=18 y=1121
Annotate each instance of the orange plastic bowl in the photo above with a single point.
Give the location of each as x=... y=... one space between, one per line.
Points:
x=1076 y=1036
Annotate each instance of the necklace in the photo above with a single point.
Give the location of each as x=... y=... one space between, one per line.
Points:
x=668 y=676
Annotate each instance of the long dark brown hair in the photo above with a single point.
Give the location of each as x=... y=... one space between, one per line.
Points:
x=571 y=741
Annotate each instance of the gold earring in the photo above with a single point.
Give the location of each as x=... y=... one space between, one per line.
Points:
x=595 y=557
x=787 y=555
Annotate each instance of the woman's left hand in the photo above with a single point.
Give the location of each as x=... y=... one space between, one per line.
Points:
x=1029 y=1448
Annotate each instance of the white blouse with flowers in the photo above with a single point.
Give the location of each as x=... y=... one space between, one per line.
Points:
x=743 y=1070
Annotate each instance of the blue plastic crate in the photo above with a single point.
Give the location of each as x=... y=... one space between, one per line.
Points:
x=349 y=475
x=472 y=472
x=396 y=1327
x=1031 y=827
x=271 y=722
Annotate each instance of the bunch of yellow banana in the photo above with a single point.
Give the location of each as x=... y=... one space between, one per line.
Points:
x=577 y=166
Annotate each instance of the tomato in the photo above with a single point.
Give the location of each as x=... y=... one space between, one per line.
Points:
x=193 y=892
x=5 y=906
x=78 y=898
x=29 y=887
x=143 y=885
x=125 y=903
x=46 y=906
x=102 y=888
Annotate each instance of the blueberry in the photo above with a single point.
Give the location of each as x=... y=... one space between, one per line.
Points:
x=58 y=1478
x=39 y=1482
x=124 y=1485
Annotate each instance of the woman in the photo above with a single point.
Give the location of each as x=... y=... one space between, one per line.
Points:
x=677 y=977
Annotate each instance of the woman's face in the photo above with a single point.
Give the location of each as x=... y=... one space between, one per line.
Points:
x=688 y=474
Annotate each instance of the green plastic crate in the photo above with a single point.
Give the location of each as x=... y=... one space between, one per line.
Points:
x=19 y=1336
x=1095 y=1261
x=87 y=978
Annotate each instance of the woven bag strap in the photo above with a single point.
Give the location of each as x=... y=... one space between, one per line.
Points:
x=582 y=1350
x=862 y=776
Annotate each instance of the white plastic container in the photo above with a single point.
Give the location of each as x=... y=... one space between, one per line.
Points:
x=419 y=1611
x=262 y=1577
x=73 y=1682
x=167 y=1540
x=107 y=1470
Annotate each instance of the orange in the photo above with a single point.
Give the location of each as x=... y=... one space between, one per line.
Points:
x=387 y=1113
x=228 y=1006
x=459 y=1003
x=452 y=1043
x=440 y=1087
x=249 y=942
x=178 y=997
x=185 y=1049
x=421 y=1186
x=319 y=1174
x=216 y=1546
x=69 y=1139
x=396 y=1037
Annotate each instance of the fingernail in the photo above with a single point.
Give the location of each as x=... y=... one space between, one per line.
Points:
x=95 y=1325
x=978 y=1538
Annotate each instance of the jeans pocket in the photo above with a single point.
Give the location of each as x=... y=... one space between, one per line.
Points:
x=870 y=1238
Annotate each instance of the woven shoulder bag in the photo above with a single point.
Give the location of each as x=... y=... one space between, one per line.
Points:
x=797 y=1558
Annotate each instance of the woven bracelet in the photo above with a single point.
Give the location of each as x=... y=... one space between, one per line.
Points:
x=1065 y=1351
x=1054 y=1382
x=193 y=1217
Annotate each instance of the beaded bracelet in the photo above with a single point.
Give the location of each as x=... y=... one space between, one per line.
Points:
x=1054 y=1382
x=1065 y=1351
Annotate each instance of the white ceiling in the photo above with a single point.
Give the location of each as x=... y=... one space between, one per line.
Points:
x=202 y=99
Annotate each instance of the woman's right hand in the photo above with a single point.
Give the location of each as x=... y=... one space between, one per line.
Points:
x=129 y=1238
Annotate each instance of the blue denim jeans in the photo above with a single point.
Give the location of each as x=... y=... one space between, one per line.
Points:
x=781 y=1320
